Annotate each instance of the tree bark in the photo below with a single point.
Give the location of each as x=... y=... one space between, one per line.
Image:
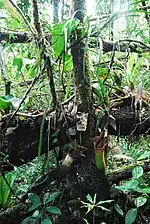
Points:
x=108 y=46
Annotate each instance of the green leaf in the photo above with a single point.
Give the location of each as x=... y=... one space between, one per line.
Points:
x=145 y=190
x=18 y=62
x=129 y=185
x=46 y=221
x=68 y=66
x=60 y=34
x=118 y=209
x=89 y=198
x=53 y=210
x=85 y=220
x=55 y=133
x=55 y=140
x=6 y=101
x=103 y=202
x=131 y=216
x=96 y=90
x=144 y=155
x=34 y=198
x=34 y=207
x=103 y=208
x=137 y=172
x=140 y=201
x=4 y=189
x=50 y=197
x=1 y=4
x=30 y=220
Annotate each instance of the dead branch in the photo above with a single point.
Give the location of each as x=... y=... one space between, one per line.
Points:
x=126 y=173
x=108 y=46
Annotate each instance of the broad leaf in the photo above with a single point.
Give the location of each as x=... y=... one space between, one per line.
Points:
x=6 y=101
x=50 y=197
x=46 y=221
x=68 y=66
x=60 y=33
x=19 y=63
x=131 y=216
x=53 y=210
x=144 y=155
x=137 y=172
x=34 y=207
x=140 y=201
x=30 y=220
x=145 y=190
x=4 y=189
x=34 y=198
x=129 y=185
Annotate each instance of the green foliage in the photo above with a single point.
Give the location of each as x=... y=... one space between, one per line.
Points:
x=19 y=63
x=4 y=188
x=136 y=184
x=42 y=209
x=6 y=101
x=24 y=5
x=91 y=205
x=131 y=216
x=118 y=209
x=1 y=4
x=60 y=35
x=137 y=172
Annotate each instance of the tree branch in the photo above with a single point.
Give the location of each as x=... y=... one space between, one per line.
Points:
x=108 y=46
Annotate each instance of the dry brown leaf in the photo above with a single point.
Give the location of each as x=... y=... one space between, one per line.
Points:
x=82 y=122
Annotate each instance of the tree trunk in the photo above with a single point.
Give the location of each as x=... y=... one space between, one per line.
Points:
x=81 y=71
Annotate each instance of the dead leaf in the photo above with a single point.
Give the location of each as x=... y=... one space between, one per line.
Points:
x=82 y=122
x=138 y=96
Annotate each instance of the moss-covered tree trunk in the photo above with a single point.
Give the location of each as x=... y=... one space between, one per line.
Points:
x=94 y=179
x=81 y=68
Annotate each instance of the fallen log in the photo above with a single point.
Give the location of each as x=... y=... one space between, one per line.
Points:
x=20 y=141
x=108 y=46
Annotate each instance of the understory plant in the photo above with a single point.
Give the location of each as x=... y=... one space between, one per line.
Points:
x=43 y=210
x=140 y=191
